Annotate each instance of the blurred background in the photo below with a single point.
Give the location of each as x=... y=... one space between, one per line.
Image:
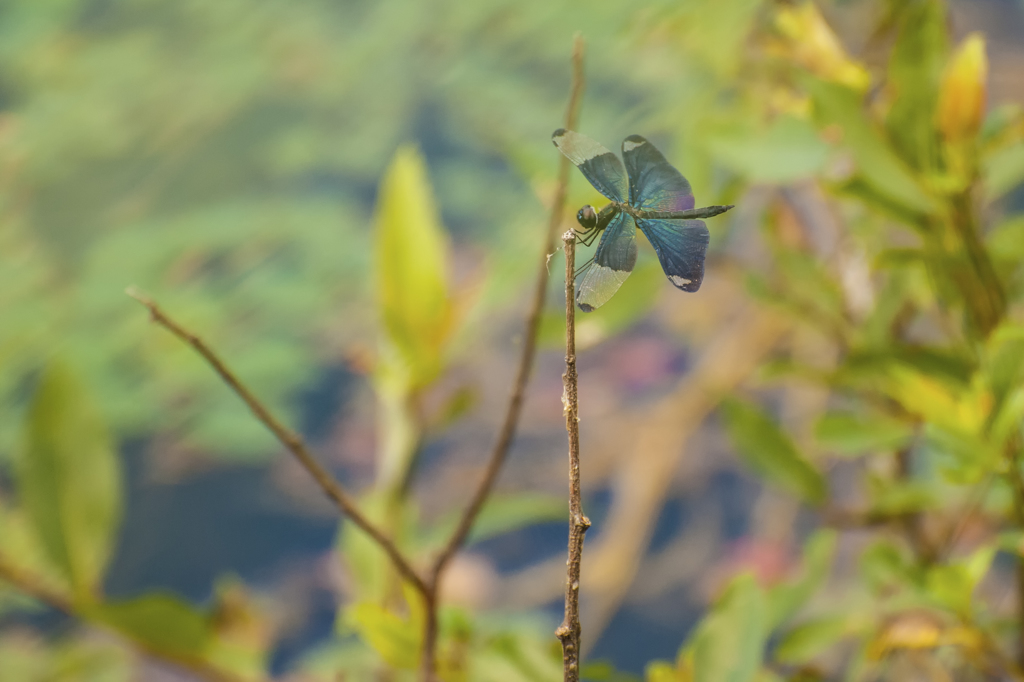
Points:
x=227 y=158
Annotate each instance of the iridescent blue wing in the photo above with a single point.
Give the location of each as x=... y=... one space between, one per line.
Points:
x=601 y=167
x=681 y=246
x=613 y=261
x=654 y=183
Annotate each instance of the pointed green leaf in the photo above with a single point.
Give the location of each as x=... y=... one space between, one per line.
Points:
x=915 y=70
x=1006 y=240
x=69 y=479
x=729 y=644
x=365 y=562
x=503 y=514
x=846 y=433
x=1004 y=170
x=885 y=566
x=964 y=457
x=395 y=639
x=876 y=163
x=787 y=598
x=807 y=640
x=978 y=563
x=661 y=671
x=159 y=621
x=770 y=453
x=901 y=497
x=953 y=584
x=411 y=257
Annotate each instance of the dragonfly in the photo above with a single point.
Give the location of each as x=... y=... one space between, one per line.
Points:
x=648 y=193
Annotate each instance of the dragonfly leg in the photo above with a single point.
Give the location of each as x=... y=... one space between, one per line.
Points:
x=583 y=268
x=587 y=238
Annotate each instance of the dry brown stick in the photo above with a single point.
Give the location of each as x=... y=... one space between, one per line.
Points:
x=291 y=441
x=33 y=587
x=515 y=402
x=569 y=631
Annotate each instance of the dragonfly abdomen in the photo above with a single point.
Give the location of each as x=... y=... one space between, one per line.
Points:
x=689 y=214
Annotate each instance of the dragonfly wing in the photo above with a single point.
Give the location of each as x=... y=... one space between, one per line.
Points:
x=613 y=261
x=681 y=246
x=600 y=166
x=654 y=183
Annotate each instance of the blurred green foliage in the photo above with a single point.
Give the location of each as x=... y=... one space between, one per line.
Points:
x=224 y=157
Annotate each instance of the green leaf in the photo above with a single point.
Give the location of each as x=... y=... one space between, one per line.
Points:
x=367 y=564
x=661 y=671
x=884 y=566
x=807 y=640
x=1012 y=541
x=789 y=150
x=21 y=547
x=876 y=163
x=503 y=514
x=770 y=453
x=603 y=671
x=69 y=479
x=901 y=497
x=411 y=257
x=1006 y=240
x=864 y=192
x=978 y=563
x=915 y=70
x=964 y=458
x=1004 y=170
x=1003 y=362
x=395 y=639
x=786 y=599
x=953 y=585
x=846 y=433
x=159 y=621
x=729 y=644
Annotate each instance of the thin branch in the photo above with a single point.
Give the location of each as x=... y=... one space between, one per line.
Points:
x=569 y=631
x=39 y=590
x=291 y=441
x=856 y=519
x=1013 y=455
x=515 y=403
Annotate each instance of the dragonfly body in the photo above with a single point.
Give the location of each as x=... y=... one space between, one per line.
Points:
x=648 y=193
x=690 y=214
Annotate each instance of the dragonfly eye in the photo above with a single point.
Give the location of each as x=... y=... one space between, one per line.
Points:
x=587 y=217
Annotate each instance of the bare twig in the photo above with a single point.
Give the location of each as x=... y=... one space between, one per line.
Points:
x=569 y=631
x=291 y=441
x=38 y=589
x=1013 y=455
x=515 y=402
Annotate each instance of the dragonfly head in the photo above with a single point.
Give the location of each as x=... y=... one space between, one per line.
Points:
x=587 y=217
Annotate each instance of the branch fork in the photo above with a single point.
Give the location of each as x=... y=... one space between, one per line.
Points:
x=425 y=583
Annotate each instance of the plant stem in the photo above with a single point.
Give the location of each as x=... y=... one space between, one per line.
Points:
x=291 y=440
x=501 y=447
x=38 y=589
x=569 y=631
x=1013 y=456
x=981 y=287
